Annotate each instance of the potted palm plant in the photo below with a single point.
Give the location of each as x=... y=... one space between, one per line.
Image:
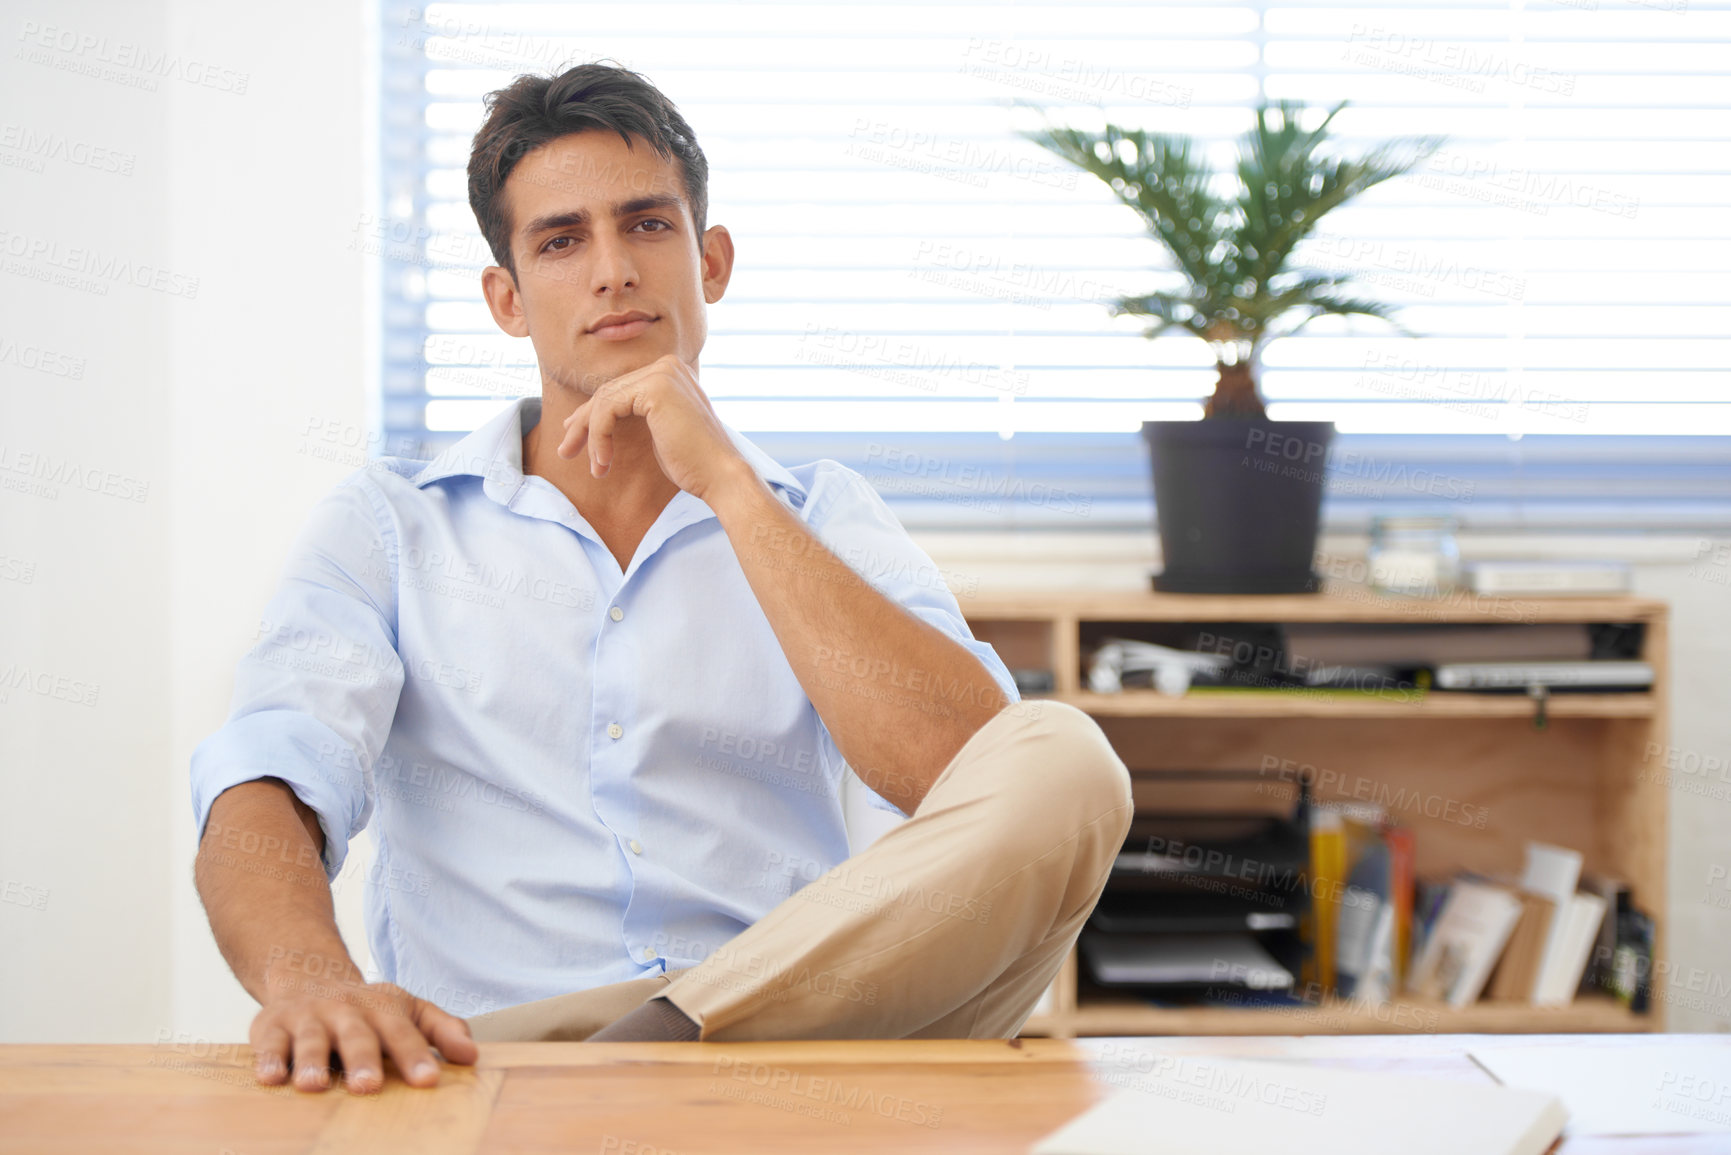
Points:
x=1239 y=497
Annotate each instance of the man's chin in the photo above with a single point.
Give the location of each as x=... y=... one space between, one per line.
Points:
x=599 y=371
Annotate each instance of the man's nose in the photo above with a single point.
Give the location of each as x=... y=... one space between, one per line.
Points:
x=613 y=269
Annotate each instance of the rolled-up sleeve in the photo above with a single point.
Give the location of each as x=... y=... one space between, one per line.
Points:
x=315 y=697
x=855 y=524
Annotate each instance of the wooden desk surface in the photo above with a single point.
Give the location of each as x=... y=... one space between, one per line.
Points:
x=657 y=1098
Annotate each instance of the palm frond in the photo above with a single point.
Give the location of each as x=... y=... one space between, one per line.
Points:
x=1323 y=305
x=1161 y=178
x=1290 y=294
x=1286 y=189
x=1234 y=252
x=1165 y=311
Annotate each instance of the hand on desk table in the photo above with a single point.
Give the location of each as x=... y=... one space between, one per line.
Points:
x=277 y=928
x=307 y=1018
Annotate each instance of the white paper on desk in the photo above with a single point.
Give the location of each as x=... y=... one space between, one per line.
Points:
x=1184 y=1105
x=1671 y=1085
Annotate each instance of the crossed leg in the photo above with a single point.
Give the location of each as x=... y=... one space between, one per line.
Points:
x=949 y=926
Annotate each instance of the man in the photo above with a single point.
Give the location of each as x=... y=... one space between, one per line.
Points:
x=598 y=678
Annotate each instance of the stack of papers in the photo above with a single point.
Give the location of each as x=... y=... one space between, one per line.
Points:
x=1670 y=1086
x=1183 y=1105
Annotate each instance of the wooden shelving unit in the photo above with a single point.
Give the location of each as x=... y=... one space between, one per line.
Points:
x=1579 y=781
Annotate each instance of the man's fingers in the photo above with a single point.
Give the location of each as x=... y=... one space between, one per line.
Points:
x=408 y=1049
x=359 y=1047
x=601 y=424
x=364 y=1026
x=576 y=429
x=312 y=1055
x=270 y=1053
x=449 y=1033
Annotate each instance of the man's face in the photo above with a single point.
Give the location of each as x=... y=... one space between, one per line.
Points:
x=600 y=229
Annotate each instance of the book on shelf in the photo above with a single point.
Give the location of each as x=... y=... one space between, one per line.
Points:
x=1403 y=850
x=1517 y=973
x=1364 y=920
x=1632 y=964
x=1471 y=930
x=1427 y=900
x=1327 y=874
x=1362 y=901
x=1529 y=942
x=1509 y=578
x=1580 y=921
x=1615 y=892
x=1552 y=872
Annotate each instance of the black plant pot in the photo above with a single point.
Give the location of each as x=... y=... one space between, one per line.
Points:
x=1239 y=503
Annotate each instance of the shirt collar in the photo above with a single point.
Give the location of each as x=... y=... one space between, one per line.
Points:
x=494 y=453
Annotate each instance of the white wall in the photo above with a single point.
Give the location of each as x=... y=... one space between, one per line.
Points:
x=83 y=817
x=207 y=395
x=268 y=190
x=207 y=402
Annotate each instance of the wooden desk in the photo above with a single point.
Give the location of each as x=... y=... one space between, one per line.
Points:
x=654 y=1098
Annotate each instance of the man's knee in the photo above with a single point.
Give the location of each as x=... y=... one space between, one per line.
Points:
x=1087 y=798
x=1083 y=777
x=1099 y=775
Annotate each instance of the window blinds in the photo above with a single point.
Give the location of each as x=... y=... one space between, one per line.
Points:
x=912 y=273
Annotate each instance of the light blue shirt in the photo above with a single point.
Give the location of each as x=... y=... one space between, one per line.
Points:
x=573 y=775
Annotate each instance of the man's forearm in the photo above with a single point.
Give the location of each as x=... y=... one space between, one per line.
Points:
x=899 y=696
x=264 y=888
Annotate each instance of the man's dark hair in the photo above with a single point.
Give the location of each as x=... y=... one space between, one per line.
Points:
x=534 y=110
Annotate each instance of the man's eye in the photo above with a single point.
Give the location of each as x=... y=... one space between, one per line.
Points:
x=556 y=244
x=654 y=221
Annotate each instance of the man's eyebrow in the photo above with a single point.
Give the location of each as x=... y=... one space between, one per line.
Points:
x=577 y=218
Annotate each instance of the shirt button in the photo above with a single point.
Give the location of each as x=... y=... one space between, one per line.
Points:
x=616 y=613
x=648 y=952
x=615 y=730
x=636 y=846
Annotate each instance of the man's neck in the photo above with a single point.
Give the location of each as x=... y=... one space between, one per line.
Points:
x=634 y=490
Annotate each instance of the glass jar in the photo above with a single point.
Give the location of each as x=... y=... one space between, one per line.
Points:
x=1414 y=555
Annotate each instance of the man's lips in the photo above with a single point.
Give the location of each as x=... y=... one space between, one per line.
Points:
x=623 y=330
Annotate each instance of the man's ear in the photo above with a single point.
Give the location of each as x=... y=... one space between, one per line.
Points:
x=717 y=262
x=500 y=289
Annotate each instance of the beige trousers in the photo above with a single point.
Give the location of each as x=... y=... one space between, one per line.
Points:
x=951 y=925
